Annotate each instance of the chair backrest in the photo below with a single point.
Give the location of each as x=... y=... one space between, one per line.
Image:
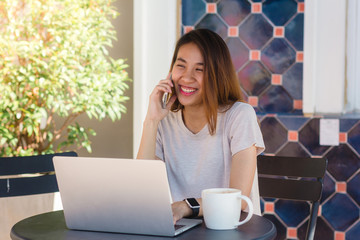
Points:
x=28 y=175
x=293 y=178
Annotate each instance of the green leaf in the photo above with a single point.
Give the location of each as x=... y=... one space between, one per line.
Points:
x=55 y=66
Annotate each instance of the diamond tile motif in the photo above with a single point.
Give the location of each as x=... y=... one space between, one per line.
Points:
x=293 y=136
x=299 y=56
x=347 y=124
x=268 y=101
x=233 y=11
x=278 y=56
x=292 y=149
x=237 y=19
x=292 y=212
x=279 y=11
x=340 y=212
x=265 y=39
x=256 y=8
x=292 y=233
x=328 y=187
x=279 y=32
x=353 y=188
x=342 y=162
x=309 y=137
x=246 y=99
x=276 y=79
x=214 y=23
x=293 y=123
x=322 y=231
x=253 y=101
x=293 y=80
x=239 y=52
x=269 y=207
x=233 y=31
x=211 y=8
x=197 y=8
x=255 y=39
x=354 y=137
x=294 y=32
x=274 y=134
x=353 y=232
x=254 y=78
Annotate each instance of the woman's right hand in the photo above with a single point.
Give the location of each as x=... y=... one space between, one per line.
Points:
x=154 y=115
x=155 y=110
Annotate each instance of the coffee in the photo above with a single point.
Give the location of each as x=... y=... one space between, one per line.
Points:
x=226 y=192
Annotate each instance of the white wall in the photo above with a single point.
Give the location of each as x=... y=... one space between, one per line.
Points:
x=324 y=56
x=154 y=42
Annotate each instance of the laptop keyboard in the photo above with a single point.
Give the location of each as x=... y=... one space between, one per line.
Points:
x=178 y=226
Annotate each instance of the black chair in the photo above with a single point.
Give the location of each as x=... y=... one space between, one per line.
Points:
x=29 y=175
x=293 y=178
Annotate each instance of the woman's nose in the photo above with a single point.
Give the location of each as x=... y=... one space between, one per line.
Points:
x=188 y=75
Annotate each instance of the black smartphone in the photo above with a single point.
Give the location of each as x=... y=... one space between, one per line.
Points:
x=166 y=97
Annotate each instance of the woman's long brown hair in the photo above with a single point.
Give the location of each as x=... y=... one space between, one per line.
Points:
x=221 y=86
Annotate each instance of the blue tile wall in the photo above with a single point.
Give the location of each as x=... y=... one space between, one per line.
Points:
x=265 y=38
x=273 y=30
x=340 y=203
x=279 y=11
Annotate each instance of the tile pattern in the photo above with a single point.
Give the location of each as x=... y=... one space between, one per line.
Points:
x=340 y=203
x=274 y=48
x=269 y=64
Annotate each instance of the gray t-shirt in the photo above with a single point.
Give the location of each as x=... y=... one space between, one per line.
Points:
x=199 y=161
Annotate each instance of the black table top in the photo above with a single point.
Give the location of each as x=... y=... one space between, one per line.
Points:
x=52 y=226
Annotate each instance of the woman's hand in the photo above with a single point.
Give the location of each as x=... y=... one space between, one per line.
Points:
x=154 y=115
x=155 y=110
x=180 y=210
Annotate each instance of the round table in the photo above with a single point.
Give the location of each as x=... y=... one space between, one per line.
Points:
x=52 y=226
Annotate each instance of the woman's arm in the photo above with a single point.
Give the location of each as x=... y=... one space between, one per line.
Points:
x=242 y=172
x=153 y=116
x=148 y=140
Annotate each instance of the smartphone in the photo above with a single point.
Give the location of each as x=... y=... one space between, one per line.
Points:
x=166 y=97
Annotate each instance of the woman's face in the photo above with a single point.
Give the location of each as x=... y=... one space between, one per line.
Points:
x=188 y=75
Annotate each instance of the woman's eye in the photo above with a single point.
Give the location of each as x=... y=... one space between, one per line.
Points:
x=199 y=69
x=180 y=66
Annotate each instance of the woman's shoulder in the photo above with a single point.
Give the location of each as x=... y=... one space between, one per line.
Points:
x=240 y=107
x=240 y=111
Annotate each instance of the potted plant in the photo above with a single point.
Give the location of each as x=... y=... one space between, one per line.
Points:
x=54 y=67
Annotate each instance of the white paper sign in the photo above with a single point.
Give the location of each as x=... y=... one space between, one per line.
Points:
x=329 y=132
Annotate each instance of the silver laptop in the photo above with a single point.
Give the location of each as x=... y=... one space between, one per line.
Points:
x=117 y=195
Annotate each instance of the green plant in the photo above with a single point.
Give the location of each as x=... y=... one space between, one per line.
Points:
x=54 y=66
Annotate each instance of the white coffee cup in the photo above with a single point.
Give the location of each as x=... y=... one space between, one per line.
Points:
x=222 y=208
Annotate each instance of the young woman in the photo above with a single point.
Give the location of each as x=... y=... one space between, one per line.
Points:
x=206 y=135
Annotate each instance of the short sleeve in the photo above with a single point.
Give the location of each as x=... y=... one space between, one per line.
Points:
x=243 y=129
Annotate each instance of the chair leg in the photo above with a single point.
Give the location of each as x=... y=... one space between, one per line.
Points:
x=310 y=232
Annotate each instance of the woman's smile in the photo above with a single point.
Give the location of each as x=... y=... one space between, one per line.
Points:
x=187 y=91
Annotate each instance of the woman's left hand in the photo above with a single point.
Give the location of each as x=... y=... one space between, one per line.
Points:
x=180 y=209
